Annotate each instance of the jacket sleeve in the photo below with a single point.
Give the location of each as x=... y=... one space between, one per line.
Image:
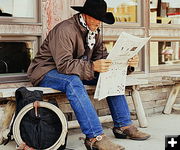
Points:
x=62 y=49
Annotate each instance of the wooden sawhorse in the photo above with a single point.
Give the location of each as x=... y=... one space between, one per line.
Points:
x=173 y=94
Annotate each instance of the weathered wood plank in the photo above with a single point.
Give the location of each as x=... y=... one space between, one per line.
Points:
x=176 y=107
x=10 y=92
x=174 y=92
x=173 y=77
x=131 y=80
x=139 y=108
x=172 y=98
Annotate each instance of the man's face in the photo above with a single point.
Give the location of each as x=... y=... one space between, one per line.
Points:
x=92 y=23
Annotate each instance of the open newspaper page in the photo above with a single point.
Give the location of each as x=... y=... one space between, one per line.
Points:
x=113 y=82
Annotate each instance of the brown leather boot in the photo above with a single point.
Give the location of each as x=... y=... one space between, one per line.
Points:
x=101 y=142
x=131 y=132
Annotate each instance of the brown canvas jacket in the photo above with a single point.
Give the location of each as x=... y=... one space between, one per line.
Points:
x=65 y=49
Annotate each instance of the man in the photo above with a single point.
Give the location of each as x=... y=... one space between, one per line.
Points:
x=73 y=54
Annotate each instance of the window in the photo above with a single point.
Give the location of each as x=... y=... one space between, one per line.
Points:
x=19 y=10
x=124 y=10
x=164 y=53
x=15 y=56
x=165 y=11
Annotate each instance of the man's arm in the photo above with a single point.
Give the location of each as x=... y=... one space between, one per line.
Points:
x=61 y=47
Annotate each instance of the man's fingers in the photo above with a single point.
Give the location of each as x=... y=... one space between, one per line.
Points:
x=133 y=61
x=104 y=70
x=102 y=65
x=107 y=61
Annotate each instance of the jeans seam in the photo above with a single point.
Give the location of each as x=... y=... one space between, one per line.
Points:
x=127 y=112
x=79 y=101
x=126 y=109
x=115 y=112
x=84 y=111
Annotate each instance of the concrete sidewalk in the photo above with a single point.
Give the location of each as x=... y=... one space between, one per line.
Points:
x=159 y=126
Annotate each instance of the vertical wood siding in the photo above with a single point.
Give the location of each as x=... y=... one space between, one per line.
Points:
x=55 y=11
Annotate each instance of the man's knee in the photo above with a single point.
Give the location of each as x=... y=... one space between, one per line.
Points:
x=75 y=81
x=75 y=88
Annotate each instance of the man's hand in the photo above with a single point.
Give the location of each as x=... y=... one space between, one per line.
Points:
x=102 y=65
x=134 y=61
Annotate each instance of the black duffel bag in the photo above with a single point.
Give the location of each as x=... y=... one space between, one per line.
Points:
x=35 y=126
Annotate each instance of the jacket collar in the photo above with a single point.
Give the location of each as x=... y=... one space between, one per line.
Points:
x=78 y=24
x=82 y=28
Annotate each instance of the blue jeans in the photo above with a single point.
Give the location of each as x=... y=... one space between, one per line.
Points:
x=81 y=103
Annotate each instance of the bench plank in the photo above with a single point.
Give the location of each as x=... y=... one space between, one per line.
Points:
x=173 y=77
x=132 y=80
x=10 y=92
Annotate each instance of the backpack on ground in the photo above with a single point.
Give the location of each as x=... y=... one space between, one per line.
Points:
x=37 y=124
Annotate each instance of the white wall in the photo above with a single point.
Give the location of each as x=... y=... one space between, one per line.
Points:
x=18 y=8
x=24 y=8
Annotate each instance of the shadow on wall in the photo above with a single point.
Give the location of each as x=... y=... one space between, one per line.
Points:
x=5 y=14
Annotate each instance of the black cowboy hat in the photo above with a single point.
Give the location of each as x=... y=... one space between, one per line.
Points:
x=96 y=9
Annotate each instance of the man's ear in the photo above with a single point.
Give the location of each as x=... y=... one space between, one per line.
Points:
x=84 y=17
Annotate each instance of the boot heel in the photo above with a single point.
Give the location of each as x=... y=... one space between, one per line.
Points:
x=120 y=136
x=89 y=148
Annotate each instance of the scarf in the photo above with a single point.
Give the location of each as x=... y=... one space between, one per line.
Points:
x=90 y=39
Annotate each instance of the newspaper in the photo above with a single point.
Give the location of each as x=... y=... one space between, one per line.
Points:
x=113 y=82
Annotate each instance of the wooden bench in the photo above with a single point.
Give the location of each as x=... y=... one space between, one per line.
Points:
x=131 y=82
x=173 y=94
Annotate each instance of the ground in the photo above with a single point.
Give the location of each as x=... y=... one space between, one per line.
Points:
x=159 y=126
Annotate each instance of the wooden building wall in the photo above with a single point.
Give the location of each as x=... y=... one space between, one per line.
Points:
x=55 y=11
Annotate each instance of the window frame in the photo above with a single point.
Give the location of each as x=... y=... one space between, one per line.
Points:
x=17 y=77
x=130 y=24
x=164 y=68
x=24 y=20
x=160 y=25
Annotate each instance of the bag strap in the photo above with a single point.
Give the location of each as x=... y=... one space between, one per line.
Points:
x=23 y=97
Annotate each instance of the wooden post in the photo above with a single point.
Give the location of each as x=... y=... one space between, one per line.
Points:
x=171 y=100
x=139 y=108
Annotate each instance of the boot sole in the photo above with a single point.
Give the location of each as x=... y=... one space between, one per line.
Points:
x=89 y=148
x=93 y=148
x=139 y=139
x=122 y=136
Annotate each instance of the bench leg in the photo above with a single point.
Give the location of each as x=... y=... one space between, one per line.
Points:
x=171 y=99
x=139 y=108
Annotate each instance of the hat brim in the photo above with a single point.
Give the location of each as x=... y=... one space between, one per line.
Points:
x=107 y=18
